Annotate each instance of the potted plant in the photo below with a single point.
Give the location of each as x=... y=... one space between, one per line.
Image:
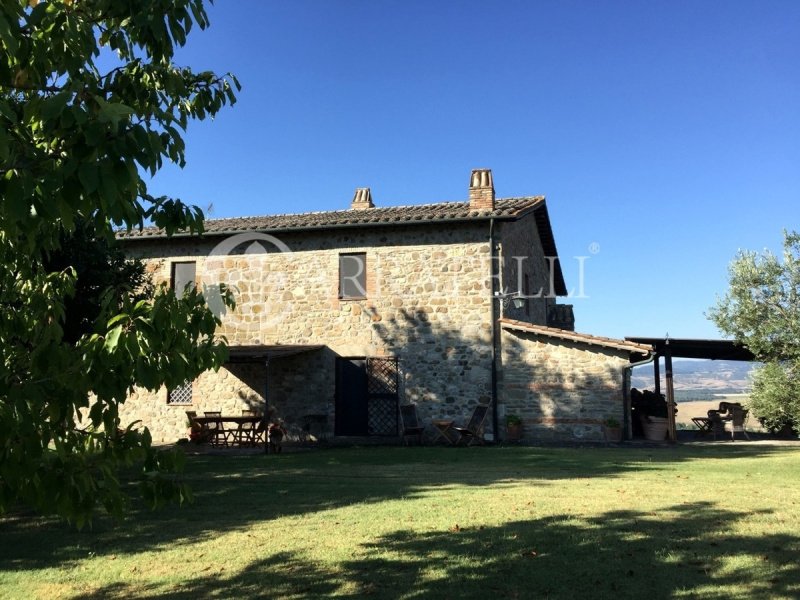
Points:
x=652 y=411
x=194 y=432
x=513 y=428
x=613 y=430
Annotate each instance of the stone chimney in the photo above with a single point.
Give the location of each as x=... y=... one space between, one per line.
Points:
x=362 y=200
x=481 y=189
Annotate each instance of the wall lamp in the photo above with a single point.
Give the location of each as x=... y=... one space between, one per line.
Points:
x=514 y=298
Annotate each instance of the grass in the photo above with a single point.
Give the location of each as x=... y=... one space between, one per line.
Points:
x=717 y=521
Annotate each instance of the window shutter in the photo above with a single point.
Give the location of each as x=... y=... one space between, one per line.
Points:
x=183 y=277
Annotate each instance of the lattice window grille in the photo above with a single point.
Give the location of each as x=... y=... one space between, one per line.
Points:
x=382 y=393
x=382 y=416
x=382 y=376
x=181 y=394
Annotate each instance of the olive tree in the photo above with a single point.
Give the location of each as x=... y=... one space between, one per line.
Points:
x=90 y=103
x=761 y=310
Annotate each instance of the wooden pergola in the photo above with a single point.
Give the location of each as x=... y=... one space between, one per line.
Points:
x=263 y=354
x=687 y=348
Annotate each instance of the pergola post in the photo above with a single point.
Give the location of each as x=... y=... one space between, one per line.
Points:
x=673 y=434
x=657 y=374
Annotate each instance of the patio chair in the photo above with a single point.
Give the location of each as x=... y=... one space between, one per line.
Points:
x=411 y=426
x=245 y=433
x=738 y=420
x=216 y=429
x=196 y=430
x=716 y=424
x=472 y=433
x=260 y=432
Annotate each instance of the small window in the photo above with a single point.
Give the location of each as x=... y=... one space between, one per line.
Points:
x=181 y=394
x=183 y=277
x=352 y=276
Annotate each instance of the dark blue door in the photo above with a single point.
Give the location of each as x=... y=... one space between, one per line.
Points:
x=352 y=417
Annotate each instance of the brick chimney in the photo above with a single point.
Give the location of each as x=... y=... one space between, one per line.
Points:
x=362 y=200
x=481 y=189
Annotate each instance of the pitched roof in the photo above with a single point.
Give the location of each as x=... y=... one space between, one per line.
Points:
x=572 y=336
x=505 y=209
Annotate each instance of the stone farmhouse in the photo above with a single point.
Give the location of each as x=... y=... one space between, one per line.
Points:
x=343 y=315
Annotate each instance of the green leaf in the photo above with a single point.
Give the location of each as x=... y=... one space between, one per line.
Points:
x=8 y=112
x=4 y=149
x=117 y=318
x=112 y=112
x=112 y=339
x=53 y=106
x=6 y=36
x=87 y=174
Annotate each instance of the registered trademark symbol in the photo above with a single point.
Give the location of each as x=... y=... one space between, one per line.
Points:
x=594 y=247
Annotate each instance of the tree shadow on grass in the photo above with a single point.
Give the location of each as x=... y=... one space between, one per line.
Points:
x=233 y=493
x=690 y=551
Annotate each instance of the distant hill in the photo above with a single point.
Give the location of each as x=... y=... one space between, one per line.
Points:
x=700 y=379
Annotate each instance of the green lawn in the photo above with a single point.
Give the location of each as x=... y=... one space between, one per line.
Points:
x=717 y=521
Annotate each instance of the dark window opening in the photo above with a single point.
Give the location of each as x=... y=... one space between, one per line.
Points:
x=183 y=277
x=353 y=276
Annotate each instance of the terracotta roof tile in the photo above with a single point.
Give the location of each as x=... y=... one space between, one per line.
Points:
x=572 y=336
x=505 y=209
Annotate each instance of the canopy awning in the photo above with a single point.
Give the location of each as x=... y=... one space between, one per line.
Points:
x=694 y=348
x=262 y=352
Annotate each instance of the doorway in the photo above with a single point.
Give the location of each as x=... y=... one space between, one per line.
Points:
x=367 y=392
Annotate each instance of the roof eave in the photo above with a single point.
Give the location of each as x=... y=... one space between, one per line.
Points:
x=226 y=232
x=578 y=338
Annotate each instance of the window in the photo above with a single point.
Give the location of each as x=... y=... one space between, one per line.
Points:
x=181 y=394
x=183 y=277
x=352 y=276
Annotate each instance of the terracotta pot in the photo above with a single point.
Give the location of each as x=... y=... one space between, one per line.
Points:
x=513 y=432
x=613 y=434
x=655 y=428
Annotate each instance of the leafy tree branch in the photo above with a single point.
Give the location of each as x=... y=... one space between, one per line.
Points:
x=761 y=310
x=81 y=327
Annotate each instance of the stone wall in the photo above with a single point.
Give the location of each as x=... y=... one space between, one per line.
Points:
x=562 y=390
x=235 y=387
x=521 y=255
x=428 y=303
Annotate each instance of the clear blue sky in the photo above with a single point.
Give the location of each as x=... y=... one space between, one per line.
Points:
x=666 y=132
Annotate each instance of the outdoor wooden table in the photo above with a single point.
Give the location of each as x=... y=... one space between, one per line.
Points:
x=441 y=427
x=238 y=433
x=703 y=426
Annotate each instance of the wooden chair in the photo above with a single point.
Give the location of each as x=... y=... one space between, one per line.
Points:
x=473 y=432
x=260 y=432
x=194 y=428
x=411 y=426
x=244 y=435
x=216 y=429
x=738 y=420
x=716 y=424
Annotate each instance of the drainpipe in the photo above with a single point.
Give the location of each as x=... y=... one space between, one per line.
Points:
x=495 y=328
x=626 y=395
